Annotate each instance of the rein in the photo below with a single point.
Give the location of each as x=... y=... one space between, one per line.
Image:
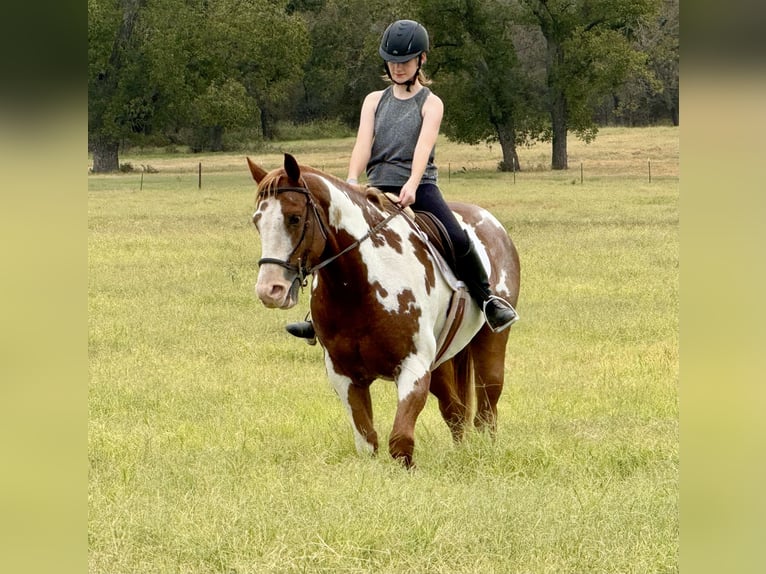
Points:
x=302 y=271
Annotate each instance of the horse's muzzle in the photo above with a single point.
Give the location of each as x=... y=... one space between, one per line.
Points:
x=278 y=294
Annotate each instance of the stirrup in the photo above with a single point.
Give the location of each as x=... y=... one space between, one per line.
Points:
x=504 y=305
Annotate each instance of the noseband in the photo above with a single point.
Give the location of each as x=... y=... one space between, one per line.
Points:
x=302 y=270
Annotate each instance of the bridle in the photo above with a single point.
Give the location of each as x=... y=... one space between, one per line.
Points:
x=302 y=270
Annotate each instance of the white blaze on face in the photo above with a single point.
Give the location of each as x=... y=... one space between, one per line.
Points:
x=272 y=288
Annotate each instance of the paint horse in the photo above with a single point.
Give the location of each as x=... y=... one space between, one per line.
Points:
x=380 y=301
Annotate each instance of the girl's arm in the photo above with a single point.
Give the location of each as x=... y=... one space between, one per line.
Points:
x=360 y=155
x=433 y=110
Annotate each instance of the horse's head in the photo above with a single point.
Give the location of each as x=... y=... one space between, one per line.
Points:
x=291 y=230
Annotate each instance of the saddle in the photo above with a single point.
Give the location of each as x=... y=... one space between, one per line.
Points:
x=436 y=234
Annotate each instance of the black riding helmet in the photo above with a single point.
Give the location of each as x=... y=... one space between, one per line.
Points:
x=402 y=41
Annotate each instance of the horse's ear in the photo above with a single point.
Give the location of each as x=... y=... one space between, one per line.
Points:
x=291 y=168
x=257 y=172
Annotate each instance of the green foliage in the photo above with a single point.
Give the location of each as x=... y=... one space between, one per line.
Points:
x=316 y=130
x=596 y=54
x=186 y=72
x=212 y=65
x=224 y=105
x=588 y=55
x=112 y=67
x=344 y=65
x=644 y=97
x=489 y=93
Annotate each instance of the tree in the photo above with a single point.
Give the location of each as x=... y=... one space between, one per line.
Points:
x=247 y=55
x=344 y=65
x=659 y=39
x=490 y=93
x=588 y=54
x=157 y=66
x=338 y=73
x=511 y=71
x=268 y=52
x=112 y=57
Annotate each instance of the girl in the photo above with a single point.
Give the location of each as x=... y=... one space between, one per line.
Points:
x=395 y=144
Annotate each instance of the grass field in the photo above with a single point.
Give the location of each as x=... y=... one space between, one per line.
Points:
x=217 y=446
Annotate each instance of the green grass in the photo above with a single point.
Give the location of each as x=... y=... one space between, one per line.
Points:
x=217 y=445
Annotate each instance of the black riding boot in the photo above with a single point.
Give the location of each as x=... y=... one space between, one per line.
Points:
x=303 y=330
x=499 y=313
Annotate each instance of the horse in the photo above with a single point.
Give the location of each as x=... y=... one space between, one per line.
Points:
x=380 y=300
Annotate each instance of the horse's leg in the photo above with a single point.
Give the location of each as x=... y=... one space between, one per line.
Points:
x=412 y=389
x=356 y=400
x=488 y=350
x=360 y=408
x=452 y=404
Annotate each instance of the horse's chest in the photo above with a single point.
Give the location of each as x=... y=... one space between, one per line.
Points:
x=373 y=355
x=370 y=340
x=367 y=339
x=381 y=307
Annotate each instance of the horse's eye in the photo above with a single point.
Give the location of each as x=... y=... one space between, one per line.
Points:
x=293 y=220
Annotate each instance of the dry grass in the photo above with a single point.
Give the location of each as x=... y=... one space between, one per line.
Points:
x=616 y=152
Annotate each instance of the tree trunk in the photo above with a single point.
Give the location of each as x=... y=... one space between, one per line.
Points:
x=267 y=125
x=555 y=59
x=507 y=137
x=105 y=158
x=671 y=103
x=216 y=138
x=559 y=122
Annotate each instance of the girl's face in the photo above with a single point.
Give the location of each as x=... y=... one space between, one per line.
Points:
x=403 y=71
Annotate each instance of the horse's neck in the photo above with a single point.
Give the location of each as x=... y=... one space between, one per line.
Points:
x=350 y=222
x=350 y=213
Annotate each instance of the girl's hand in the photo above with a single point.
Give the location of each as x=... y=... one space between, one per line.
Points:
x=407 y=194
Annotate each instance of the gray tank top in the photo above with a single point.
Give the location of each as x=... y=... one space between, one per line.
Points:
x=397 y=127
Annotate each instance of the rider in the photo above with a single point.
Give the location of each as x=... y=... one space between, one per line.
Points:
x=395 y=144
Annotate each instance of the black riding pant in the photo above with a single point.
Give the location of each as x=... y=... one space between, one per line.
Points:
x=429 y=198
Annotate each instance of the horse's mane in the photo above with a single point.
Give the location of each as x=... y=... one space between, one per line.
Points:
x=365 y=194
x=384 y=201
x=270 y=183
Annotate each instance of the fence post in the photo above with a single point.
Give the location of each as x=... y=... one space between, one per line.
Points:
x=513 y=164
x=199 y=179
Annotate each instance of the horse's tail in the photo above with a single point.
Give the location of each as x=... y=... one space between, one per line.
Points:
x=465 y=380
